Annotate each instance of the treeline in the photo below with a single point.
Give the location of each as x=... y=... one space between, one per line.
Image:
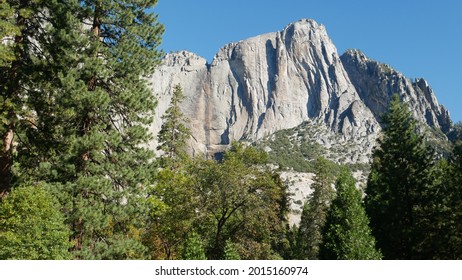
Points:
x=77 y=180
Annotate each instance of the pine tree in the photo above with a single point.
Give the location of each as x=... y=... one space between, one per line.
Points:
x=443 y=227
x=172 y=185
x=32 y=227
x=347 y=235
x=314 y=212
x=19 y=29
x=174 y=133
x=91 y=122
x=397 y=184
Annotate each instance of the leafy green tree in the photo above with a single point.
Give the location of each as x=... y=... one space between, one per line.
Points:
x=347 y=235
x=398 y=183
x=238 y=200
x=314 y=212
x=172 y=212
x=231 y=251
x=91 y=123
x=174 y=133
x=193 y=248
x=32 y=227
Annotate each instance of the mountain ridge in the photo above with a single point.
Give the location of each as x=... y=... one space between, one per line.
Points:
x=280 y=80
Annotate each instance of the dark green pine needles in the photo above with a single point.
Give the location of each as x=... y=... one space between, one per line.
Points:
x=89 y=104
x=347 y=235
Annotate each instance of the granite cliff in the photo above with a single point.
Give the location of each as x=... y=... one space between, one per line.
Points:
x=283 y=80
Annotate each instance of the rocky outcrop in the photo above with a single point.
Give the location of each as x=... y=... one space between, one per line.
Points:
x=376 y=82
x=280 y=80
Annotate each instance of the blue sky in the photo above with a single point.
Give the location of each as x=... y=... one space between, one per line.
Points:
x=418 y=38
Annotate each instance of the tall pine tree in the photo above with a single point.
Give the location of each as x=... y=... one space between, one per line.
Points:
x=20 y=29
x=91 y=122
x=347 y=235
x=399 y=179
x=174 y=133
x=443 y=222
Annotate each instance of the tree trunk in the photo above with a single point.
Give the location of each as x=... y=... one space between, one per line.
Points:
x=12 y=93
x=6 y=160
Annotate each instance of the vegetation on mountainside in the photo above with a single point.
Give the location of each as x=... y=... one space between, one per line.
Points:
x=304 y=149
x=77 y=180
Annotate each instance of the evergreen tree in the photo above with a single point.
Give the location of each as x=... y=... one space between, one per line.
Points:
x=174 y=133
x=20 y=29
x=170 y=223
x=91 y=120
x=314 y=212
x=347 y=235
x=32 y=227
x=398 y=183
x=443 y=227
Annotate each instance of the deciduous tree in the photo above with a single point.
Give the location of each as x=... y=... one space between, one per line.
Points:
x=314 y=212
x=32 y=226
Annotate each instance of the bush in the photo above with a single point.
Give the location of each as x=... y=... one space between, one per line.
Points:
x=31 y=226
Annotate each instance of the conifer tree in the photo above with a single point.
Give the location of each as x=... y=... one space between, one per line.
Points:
x=314 y=212
x=174 y=133
x=20 y=26
x=397 y=184
x=91 y=122
x=347 y=235
x=443 y=228
x=172 y=184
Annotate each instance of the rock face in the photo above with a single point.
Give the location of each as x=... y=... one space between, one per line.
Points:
x=376 y=83
x=280 y=80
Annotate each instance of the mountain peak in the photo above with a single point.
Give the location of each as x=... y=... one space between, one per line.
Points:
x=281 y=80
x=305 y=23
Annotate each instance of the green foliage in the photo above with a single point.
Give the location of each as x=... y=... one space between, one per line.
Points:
x=174 y=133
x=314 y=212
x=171 y=205
x=31 y=226
x=91 y=105
x=287 y=154
x=8 y=29
x=238 y=200
x=347 y=235
x=455 y=134
x=19 y=28
x=398 y=184
x=193 y=248
x=231 y=252
x=441 y=225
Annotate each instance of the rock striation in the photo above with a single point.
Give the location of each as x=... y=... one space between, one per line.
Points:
x=281 y=80
x=376 y=82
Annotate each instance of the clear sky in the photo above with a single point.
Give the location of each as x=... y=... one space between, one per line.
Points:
x=419 y=38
